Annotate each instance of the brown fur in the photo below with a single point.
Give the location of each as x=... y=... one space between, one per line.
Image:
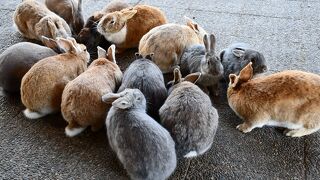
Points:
x=81 y=100
x=145 y=18
x=168 y=42
x=34 y=20
x=42 y=85
x=291 y=98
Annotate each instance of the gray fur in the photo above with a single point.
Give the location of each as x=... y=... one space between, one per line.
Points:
x=17 y=60
x=143 y=146
x=237 y=56
x=144 y=75
x=199 y=58
x=190 y=118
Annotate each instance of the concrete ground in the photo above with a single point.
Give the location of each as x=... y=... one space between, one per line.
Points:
x=286 y=31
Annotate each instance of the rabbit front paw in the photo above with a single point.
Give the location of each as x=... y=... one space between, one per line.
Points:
x=245 y=128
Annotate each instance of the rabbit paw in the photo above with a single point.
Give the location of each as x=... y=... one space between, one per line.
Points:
x=245 y=128
x=300 y=132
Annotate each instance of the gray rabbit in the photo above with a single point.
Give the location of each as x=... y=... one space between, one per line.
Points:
x=199 y=58
x=238 y=55
x=144 y=75
x=144 y=147
x=189 y=116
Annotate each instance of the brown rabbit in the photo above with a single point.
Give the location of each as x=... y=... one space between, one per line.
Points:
x=126 y=27
x=35 y=20
x=42 y=86
x=70 y=11
x=169 y=41
x=289 y=99
x=82 y=105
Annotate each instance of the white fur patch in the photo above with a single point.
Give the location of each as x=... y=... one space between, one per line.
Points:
x=288 y=125
x=118 y=37
x=73 y=132
x=32 y=115
x=191 y=154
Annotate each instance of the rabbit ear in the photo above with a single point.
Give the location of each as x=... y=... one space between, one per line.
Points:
x=150 y=56
x=101 y=52
x=67 y=45
x=246 y=73
x=222 y=54
x=212 y=43
x=234 y=79
x=238 y=52
x=177 y=76
x=206 y=42
x=193 y=78
x=52 y=28
x=138 y=55
x=52 y=44
x=128 y=14
x=110 y=98
x=112 y=54
x=193 y=25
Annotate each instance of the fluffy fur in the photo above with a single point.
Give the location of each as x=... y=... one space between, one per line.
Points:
x=70 y=11
x=125 y=28
x=34 y=20
x=81 y=104
x=144 y=75
x=17 y=60
x=288 y=99
x=42 y=86
x=168 y=43
x=199 y=58
x=143 y=146
x=189 y=116
x=237 y=56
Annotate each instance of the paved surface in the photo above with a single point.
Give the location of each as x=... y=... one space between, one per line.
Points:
x=286 y=31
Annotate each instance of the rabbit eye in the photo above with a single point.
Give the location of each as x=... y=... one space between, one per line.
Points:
x=138 y=98
x=85 y=49
x=112 y=22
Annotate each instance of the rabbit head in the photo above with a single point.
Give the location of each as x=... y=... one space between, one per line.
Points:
x=211 y=63
x=115 y=21
x=53 y=26
x=245 y=75
x=127 y=99
x=196 y=28
x=70 y=46
x=178 y=80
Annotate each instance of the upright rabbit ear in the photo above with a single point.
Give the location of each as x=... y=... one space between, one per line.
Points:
x=150 y=56
x=212 y=43
x=52 y=44
x=234 y=79
x=193 y=25
x=222 y=54
x=74 y=42
x=176 y=75
x=238 y=52
x=206 y=42
x=138 y=55
x=112 y=54
x=110 y=98
x=193 y=78
x=52 y=28
x=128 y=13
x=101 y=52
x=67 y=45
x=246 y=73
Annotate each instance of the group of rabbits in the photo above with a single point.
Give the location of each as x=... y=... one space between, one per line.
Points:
x=149 y=123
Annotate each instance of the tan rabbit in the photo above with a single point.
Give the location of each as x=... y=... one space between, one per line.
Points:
x=289 y=99
x=34 y=20
x=81 y=99
x=169 y=41
x=42 y=86
x=70 y=11
x=126 y=27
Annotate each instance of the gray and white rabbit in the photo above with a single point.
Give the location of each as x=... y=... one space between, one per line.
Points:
x=144 y=75
x=199 y=58
x=189 y=116
x=238 y=55
x=143 y=146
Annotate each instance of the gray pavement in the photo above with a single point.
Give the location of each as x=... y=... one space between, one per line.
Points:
x=286 y=31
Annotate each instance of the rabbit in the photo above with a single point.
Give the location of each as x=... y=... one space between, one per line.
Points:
x=89 y=35
x=289 y=99
x=126 y=27
x=144 y=75
x=199 y=58
x=34 y=20
x=143 y=146
x=238 y=55
x=70 y=11
x=169 y=41
x=189 y=116
x=42 y=86
x=18 y=59
x=81 y=104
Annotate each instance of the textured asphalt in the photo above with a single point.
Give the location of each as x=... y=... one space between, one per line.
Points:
x=287 y=32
